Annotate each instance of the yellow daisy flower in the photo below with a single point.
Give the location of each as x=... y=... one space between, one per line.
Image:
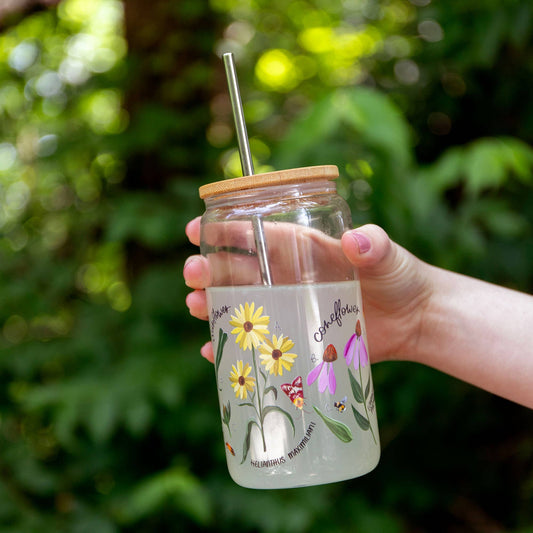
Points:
x=241 y=383
x=275 y=354
x=249 y=326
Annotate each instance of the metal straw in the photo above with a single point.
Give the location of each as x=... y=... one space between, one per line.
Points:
x=246 y=161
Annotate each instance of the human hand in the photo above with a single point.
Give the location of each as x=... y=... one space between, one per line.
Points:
x=394 y=283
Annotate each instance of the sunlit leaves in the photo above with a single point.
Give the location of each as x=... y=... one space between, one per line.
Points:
x=231 y=161
x=42 y=57
x=277 y=70
x=23 y=55
x=8 y=156
x=103 y=111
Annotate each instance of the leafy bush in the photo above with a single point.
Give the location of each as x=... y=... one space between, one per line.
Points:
x=110 y=122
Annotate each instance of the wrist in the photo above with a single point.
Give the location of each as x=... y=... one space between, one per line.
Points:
x=426 y=321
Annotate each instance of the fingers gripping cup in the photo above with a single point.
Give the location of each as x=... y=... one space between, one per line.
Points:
x=287 y=324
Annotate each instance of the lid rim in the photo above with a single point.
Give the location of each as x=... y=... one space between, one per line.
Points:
x=269 y=179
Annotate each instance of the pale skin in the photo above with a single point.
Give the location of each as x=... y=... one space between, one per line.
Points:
x=475 y=331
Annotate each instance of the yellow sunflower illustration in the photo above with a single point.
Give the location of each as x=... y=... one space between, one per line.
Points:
x=241 y=383
x=249 y=326
x=275 y=354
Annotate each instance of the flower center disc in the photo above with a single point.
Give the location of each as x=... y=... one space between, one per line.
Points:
x=276 y=354
x=248 y=326
x=330 y=354
x=241 y=381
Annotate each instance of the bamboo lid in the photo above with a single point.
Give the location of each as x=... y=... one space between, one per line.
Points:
x=268 y=179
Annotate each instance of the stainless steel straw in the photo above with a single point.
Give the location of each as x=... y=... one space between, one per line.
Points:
x=246 y=161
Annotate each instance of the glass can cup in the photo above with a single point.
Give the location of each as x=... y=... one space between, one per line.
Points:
x=288 y=331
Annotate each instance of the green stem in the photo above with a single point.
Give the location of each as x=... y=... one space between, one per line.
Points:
x=229 y=430
x=259 y=396
x=364 y=402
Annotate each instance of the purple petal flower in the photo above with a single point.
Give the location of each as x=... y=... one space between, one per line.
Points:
x=324 y=371
x=324 y=378
x=349 y=349
x=332 y=379
x=313 y=375
x=363 y=354
x=355 y=349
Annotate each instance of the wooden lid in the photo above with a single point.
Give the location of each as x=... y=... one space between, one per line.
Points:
x=268 y=179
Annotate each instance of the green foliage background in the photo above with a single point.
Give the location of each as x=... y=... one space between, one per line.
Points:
x=110 y=120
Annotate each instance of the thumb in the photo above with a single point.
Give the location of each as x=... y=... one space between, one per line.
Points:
x=371 y=250
x=368 y=246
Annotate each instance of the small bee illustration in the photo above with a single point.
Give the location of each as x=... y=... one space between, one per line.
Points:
x=340 y=405
x=230 y=449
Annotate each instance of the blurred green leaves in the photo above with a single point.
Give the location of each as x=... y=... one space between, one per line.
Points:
x=365 y=118
x=108 y=417
x=175 y=486
x=484 y=164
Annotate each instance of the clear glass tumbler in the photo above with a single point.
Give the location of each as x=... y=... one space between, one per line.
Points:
x=286 y=320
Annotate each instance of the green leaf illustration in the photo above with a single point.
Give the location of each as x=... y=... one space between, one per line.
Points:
x=356 y=388
x=271 y=389
x=246 y=444
x=222 y=338
x=248 y=404
x=226 y=416
x=367 y=389
x=340 y=430
x=275 y=408
x=226 y=412
x=362 y=422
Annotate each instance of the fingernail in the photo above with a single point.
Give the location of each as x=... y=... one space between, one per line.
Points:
x=362 y=241
x=189 y=261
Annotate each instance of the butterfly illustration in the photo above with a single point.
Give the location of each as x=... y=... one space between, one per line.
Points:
x=295 y=392
x=340 y=405
x=230 y=448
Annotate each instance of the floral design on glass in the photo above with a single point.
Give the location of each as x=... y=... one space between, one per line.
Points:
x=240 y=380
x=249 y=326
x=226 y=416
x=324 y=371
x=275 y=354
x=355 y=350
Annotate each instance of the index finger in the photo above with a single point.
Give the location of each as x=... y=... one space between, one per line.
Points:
x=192 y=230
